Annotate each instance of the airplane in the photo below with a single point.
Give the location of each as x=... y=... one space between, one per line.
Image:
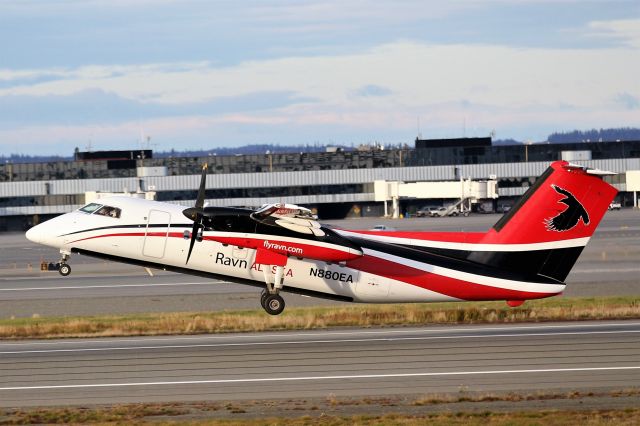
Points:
x=526 y=255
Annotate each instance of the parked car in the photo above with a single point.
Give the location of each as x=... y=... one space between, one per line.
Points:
x=438 y=212
x=615 y=206
x=503 y=208
x=426 y=211
x=446 y=211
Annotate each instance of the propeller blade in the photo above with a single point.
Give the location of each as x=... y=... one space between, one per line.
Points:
x=195 y=213
x=201 y=190
x=194 y=236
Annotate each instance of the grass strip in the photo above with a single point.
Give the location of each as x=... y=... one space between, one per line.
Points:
x=131 y=415
x=450 y=398
x=557 y=309
x=331 y=410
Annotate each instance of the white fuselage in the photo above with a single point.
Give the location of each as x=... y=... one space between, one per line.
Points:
x=157 y=234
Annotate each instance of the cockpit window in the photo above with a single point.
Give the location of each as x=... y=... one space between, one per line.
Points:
x=90 y=208
x=109 y=211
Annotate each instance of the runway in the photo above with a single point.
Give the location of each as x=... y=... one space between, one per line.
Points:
x=412 y=361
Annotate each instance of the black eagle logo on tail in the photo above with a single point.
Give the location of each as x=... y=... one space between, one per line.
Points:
x=570 y=216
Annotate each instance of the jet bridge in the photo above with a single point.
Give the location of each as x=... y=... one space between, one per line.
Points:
x=463 y=193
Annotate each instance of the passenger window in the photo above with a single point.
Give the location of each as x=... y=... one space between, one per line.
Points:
x=90 y=208
x=109 y=211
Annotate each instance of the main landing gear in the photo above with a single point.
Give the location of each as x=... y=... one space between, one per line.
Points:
x=270 y=298
x=64 y=268
x=273 y=304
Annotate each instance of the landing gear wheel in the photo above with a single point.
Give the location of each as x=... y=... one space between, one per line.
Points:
x=65 y=269
x=263 y=297
x=274 y=304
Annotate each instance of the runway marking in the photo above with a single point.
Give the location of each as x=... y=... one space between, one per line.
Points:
x=328 y=333
x=303 y=342
x=309 y=378
x=591 y=271
x=81 y=287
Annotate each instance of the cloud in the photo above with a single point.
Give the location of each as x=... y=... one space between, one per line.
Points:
x=372 y=90
x=95 y=106
x=627 y=100
x=415 y=74
x=356 y=83
x=47 y=33
x=303 y=125
x=624 y=31
x=523 y=93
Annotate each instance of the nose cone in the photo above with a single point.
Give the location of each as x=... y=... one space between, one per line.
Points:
x=45 y=233
x=34 y=234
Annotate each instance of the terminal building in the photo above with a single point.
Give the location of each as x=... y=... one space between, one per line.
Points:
x=335 y=184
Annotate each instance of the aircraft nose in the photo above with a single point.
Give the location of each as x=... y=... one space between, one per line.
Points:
x=34 y=234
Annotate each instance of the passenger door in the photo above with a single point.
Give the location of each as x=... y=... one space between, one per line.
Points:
x=157 y=231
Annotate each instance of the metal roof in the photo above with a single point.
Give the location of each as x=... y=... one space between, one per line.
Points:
x=303 y=178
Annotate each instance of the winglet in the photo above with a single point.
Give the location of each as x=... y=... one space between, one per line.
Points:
x=588 y=170
x=598 y=172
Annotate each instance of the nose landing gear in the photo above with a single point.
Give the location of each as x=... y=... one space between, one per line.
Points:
x=64 y=268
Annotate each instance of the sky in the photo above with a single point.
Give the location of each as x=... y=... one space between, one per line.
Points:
x=196 y=74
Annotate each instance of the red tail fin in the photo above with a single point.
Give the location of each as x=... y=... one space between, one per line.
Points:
x=566 y=202
x=545 y=232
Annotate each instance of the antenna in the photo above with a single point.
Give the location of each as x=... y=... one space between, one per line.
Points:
x=141 y=138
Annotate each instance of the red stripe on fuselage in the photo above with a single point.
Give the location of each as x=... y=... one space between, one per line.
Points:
x=439 y=283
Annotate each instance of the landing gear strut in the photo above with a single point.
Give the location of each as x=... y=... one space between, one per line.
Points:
x=64 y=268
x=270 y=298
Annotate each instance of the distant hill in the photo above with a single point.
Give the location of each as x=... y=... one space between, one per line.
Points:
x=18 y=158
x=247 y=150
x=596 y=135
x=500 y=142
x=593 y=135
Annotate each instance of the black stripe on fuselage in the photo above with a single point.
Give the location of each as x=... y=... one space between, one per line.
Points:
x=188 y=271
x=453 y=259
x=136 y=226
x=552 y=263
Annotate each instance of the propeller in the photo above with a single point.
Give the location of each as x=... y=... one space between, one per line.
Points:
x=196 y=213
